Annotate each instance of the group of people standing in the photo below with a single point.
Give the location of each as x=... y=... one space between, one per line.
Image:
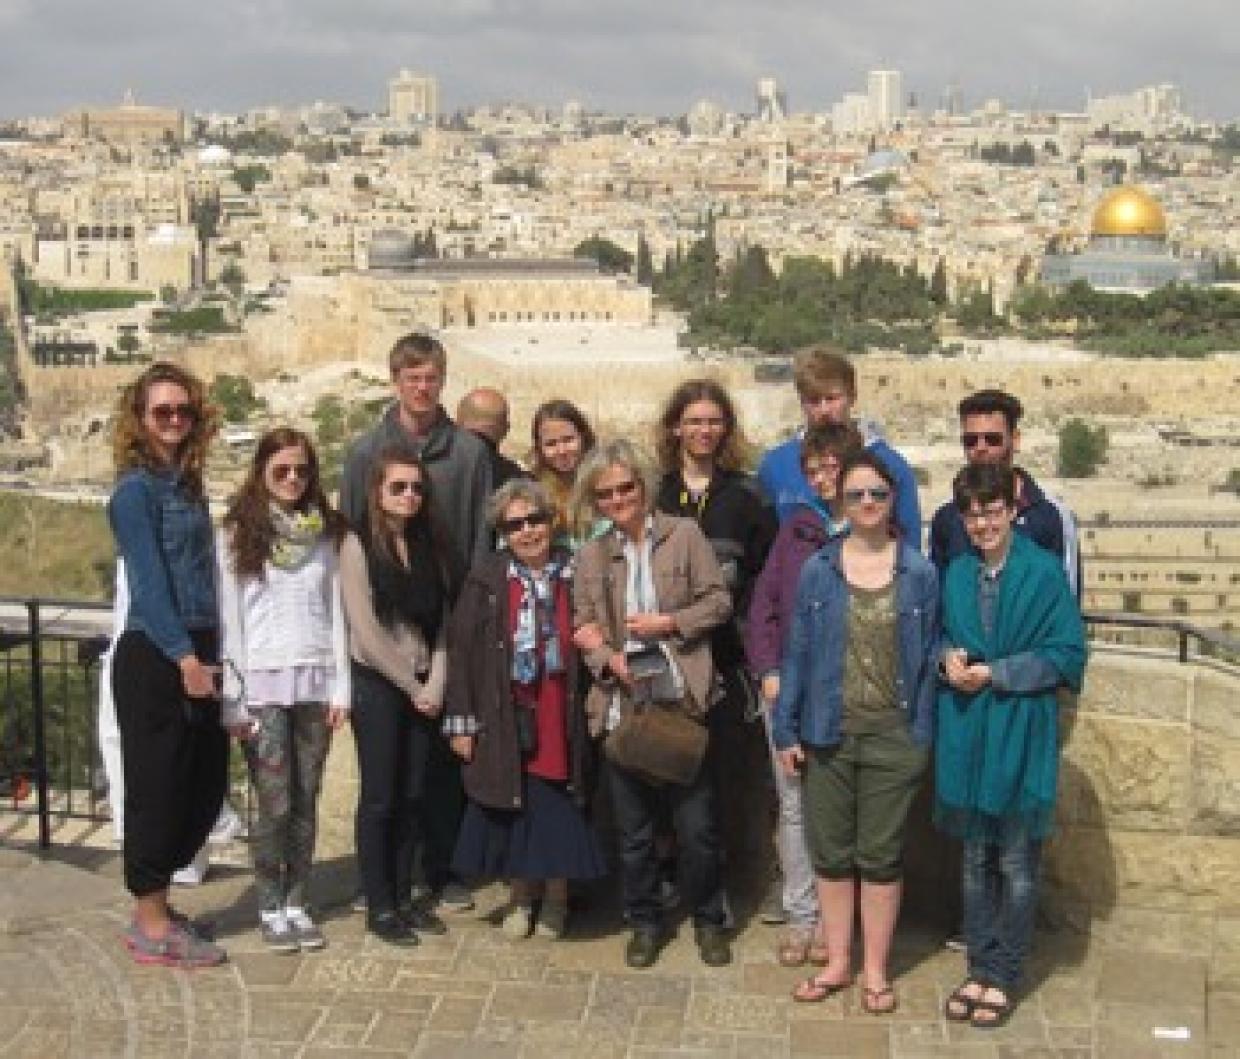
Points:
x=506 y=642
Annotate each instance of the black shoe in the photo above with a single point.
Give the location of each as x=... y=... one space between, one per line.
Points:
x=421 y=919
x=643 y=948
x=713 y=946
x=390 y=927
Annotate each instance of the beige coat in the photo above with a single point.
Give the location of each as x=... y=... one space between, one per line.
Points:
x=689 y=586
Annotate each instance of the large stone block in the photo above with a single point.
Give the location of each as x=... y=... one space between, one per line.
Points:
x=1141 y=869
x=1131 y=686
x=1216 y=695
x=1125 y=773
x=1216 y=784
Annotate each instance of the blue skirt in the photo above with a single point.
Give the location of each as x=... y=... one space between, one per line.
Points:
x=548 y=839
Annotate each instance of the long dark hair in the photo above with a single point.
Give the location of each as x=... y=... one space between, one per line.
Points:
x=248 y=521
x=567 y=412
x=415 y=593
x=732 y=450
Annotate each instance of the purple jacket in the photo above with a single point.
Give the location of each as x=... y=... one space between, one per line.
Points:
x=801 y=534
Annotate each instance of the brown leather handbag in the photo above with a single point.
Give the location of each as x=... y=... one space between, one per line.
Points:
x=660 y=743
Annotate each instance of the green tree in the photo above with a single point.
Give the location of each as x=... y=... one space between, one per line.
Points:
x=645 y=262
x=361 y=182
x=610 y=257
x=248 y=177
x=235 y=397
x=1082 y=449
x=205 y=214
x=938 y=283
x=233 y=277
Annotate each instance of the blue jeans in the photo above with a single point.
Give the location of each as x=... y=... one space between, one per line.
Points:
x=1000 y=899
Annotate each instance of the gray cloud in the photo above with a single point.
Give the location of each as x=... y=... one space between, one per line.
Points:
x=656 y=55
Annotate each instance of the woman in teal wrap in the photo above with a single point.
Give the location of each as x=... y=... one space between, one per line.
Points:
x=1012 y=636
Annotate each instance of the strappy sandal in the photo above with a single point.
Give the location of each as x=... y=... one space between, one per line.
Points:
x=871 y=1000
x=814 y=990
x=964 y=1013
x=999 y=1011
x=818 y=953
x=794 y=949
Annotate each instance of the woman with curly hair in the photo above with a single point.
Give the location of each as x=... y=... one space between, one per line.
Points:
x=394 y=576
x=286 y=684
x=562 y=438
x=174 y=750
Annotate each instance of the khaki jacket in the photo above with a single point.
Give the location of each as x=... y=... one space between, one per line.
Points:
x=689 y=586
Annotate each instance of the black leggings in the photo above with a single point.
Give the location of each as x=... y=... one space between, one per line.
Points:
x=393 y=745
x=175 y=758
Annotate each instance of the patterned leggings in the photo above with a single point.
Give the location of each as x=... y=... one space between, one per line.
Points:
x=286 y=758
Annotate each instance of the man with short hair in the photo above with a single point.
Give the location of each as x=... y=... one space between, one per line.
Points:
x=990 y=434
x=459 y=466
x=484 y=412
x=457 y=461
x=826 y=382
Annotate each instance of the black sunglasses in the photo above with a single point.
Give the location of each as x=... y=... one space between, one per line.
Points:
x=620 y=489
x=401 y=486
x=283 y=471
x=970 y=439
x=533 y=520
x=166 y=413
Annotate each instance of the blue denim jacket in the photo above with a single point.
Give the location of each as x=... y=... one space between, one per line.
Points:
x=810 y=707
x=164 y=535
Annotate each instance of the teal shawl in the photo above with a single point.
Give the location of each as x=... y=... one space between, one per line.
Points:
x=997 y=753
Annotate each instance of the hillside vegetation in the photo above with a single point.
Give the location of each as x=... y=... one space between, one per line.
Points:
x=54 y=549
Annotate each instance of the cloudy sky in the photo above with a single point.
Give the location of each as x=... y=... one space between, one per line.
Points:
x=632 y=55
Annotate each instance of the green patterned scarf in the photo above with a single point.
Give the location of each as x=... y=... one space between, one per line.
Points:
x=296 y=534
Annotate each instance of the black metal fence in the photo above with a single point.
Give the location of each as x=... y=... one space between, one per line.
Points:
x=50 y=654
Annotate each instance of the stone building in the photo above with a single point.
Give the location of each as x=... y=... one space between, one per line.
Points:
x=129 y=124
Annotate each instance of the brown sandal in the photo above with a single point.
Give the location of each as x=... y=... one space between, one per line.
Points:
x=818 y=953
x=794 y=950
x=871 y=1000
x=814 y=990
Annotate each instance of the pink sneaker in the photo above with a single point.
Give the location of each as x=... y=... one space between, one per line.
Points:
x=179 y=948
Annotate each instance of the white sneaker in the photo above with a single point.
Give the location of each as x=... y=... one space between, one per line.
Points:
x=228 y=826
x=306 y=931
x=195 y=871
x=277 y=933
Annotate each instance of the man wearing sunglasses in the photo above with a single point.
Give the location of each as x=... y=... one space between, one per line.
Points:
x=990 y=434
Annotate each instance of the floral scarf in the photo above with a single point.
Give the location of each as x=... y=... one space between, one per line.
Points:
x=296 y=534
x=536 y=641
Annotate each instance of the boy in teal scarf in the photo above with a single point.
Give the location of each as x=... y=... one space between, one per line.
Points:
x=1013 y=635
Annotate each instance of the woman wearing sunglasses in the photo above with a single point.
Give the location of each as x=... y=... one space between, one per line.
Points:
x=173 y=749
x=286 y=679
x=647 y=597
x=854 y=718
x=515 y=718
x=394 y=578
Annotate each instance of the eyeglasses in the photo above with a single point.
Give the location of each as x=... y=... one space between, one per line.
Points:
x=282 y=472
x=880 y=494
x=703 y=423
x=986 y=514
x=533 y=520
x=970 y=439
x=618 y=490
x=401 y=486
x=163 y=414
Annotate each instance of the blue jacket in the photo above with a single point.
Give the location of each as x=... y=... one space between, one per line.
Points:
x=164 y=535
x=810 y=707
x=781 y=476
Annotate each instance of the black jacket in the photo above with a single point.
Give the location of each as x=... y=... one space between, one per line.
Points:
x=480 y=691
x=739 y=521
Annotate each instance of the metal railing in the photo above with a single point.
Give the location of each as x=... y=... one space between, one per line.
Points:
x=49 y=696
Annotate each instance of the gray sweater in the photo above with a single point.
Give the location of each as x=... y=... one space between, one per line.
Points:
x=460 y=470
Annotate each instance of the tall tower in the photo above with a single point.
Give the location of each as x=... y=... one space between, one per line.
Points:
x=413 y=98
x=772 y=104
x=886 y=93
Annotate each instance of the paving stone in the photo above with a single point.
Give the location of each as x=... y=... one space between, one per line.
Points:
x=826 y=1039
x=39 y=1044
x=770 y=979
x=457 y=1014
x=453 y=1046
x=737 y=1011
x=1070 y=1037
x=537 y=1003
x=282 y=1023
x=360 y=971
x=266 y=968
x=396 y=1030
x=1223 y=1018
x=754 y=1046
x=1131 y=976
x=658 y=1026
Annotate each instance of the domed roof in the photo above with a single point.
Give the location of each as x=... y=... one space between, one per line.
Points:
x=1129 y=211
x=390 y=248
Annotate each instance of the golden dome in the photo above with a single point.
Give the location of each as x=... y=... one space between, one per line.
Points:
x=1129 y=211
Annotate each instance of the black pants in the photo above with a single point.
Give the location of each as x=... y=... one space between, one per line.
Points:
x=393 y=747
x=636 y=805
x=441 y=813
x=175 y=757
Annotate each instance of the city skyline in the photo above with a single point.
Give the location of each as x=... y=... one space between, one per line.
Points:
x=550 y=51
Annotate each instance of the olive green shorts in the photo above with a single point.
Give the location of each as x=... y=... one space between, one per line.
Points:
x=857 y=799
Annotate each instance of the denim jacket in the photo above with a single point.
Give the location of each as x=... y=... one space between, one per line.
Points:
x=810 y=707
x=164 y=536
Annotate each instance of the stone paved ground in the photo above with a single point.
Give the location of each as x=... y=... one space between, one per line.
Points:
x=67 y=988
